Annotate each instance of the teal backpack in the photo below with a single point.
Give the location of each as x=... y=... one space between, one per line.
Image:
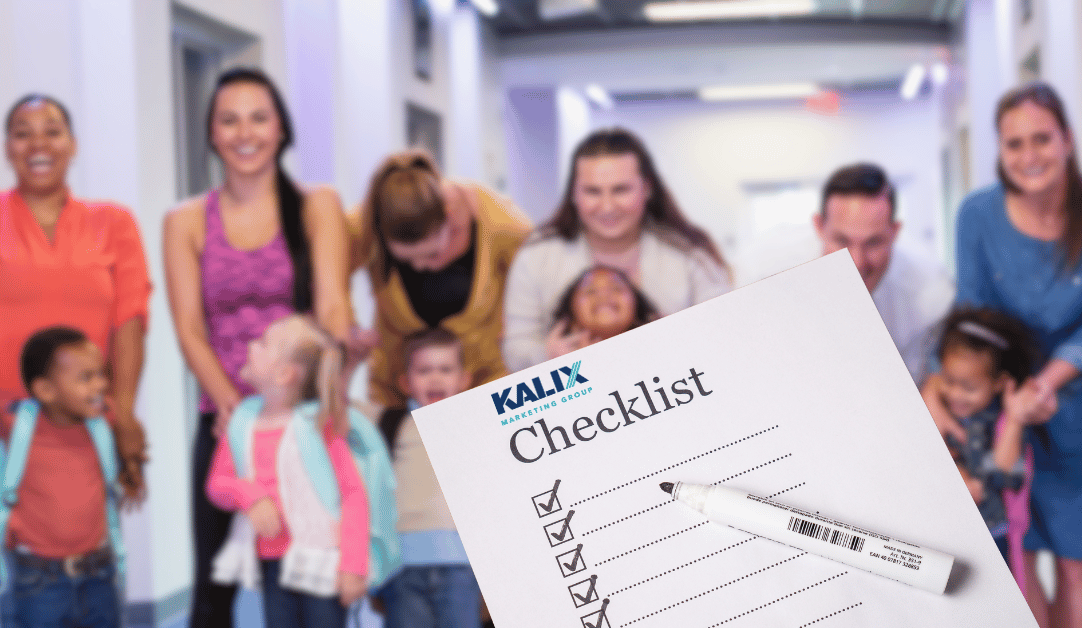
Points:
x=373 y=464
x=13 y=456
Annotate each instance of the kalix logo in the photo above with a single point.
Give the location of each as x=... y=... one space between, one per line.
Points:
x=534 y=390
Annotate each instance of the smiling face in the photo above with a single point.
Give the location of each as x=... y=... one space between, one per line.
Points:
x=245 y=129
x=603 y=304
x=610 y=196
x=1033 y=149
x=39 y=146
x=863 y=225
x=74 y=388
x=969 y=385
x=434 y=373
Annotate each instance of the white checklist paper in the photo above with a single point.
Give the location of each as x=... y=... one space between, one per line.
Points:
x=789 y=388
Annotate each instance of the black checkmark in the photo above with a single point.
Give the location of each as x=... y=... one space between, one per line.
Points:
x=559 y=536
x=552 y=500
x=600 y=616
x=590 y=593
x=575 y=560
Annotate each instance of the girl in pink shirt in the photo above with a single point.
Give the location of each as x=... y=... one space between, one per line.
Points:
x=313 y=561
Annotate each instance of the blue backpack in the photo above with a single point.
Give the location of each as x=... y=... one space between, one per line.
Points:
x=13 y=456
x=373 y=464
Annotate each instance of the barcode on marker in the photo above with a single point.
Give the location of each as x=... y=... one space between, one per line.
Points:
x=825 y=533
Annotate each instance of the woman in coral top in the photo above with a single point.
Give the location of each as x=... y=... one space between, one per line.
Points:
x=66 y=261
x=236 y=259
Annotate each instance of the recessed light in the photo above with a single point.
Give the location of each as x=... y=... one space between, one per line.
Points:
x=778 y=91
x=725 y=9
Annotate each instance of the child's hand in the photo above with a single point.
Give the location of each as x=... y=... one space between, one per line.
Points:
x=975 y=486
x=945 y=423
x=976 y=489
x=264 y=517
x=351 y=587
x=562 y=340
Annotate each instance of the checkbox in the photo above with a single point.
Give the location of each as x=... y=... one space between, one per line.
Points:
x=559 y=532
x=571 y=562
x=597 y=619
x=547 y=503
x=582 y=593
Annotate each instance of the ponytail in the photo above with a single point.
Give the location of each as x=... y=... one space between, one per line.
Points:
x=290 y=203
x=320 y=358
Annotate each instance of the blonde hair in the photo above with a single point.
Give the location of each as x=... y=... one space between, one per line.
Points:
x=320 y=358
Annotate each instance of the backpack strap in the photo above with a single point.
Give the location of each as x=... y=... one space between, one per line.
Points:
x=102 y=436
x=316 y=458
x=374 y=463
x=241 y=425
x=14 y=463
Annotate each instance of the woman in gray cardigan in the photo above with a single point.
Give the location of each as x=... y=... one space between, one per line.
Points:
x=616 y=211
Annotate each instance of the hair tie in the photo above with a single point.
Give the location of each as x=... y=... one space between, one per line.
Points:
x=977 y=330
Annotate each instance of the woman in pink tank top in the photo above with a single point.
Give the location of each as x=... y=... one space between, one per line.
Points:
x=236 y=259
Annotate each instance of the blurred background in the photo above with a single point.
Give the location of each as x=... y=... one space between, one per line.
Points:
x=746 y=105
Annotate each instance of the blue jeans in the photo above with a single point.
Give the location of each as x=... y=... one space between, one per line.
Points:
x=50 y=598
x=284 y=608
x=432 y=596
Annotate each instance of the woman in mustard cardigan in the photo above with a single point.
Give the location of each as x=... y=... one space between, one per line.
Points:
x=437 y=253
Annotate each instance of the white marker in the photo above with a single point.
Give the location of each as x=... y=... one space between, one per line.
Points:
x=875 y=553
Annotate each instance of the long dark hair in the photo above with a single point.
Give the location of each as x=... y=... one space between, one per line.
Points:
x=289 y=196
x=1042 y=95
x=661 y=206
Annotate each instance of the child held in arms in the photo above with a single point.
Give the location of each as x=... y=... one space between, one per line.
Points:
x=601 y=303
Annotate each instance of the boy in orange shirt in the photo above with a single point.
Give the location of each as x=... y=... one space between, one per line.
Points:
x=58 y=532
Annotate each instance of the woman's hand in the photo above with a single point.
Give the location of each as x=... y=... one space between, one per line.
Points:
x=264 y=517
x=562 y=340
x=359 y=344
x=1032 y=403
x=131 y=445
x=351 y=588
x=226 y=405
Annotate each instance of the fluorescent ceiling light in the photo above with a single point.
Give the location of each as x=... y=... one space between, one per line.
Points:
x=780 y=91
x=914 y=78
x=725 y=9
x=560 y=9
x=488 y=7
x=599 y=96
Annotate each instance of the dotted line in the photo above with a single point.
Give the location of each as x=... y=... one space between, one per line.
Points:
x=664 y=573
x=757 y=608
x=629 y=517
x=671 y=606
x=785 y=491
x=651 y=543
x=673 y=466
x=831 y=615
x=753 y=468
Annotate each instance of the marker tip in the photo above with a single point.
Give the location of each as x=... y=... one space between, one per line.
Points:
x=667 y=487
